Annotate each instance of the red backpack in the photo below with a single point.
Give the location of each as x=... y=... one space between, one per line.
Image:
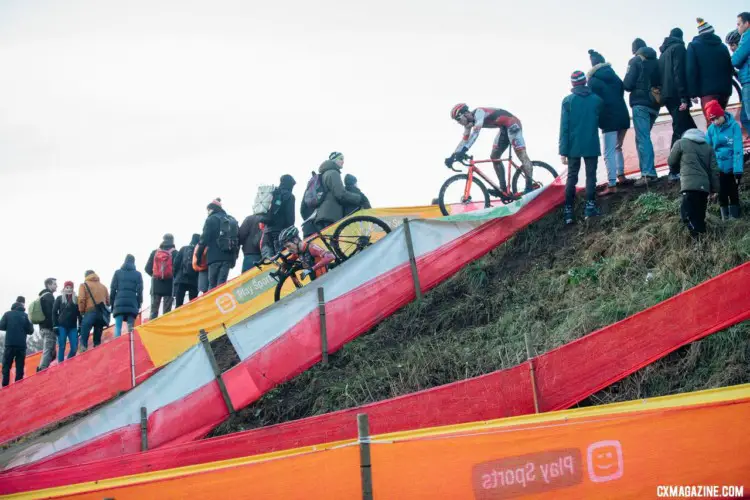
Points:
x=163 y=265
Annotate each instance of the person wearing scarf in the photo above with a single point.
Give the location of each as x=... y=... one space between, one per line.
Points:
x=66 y=321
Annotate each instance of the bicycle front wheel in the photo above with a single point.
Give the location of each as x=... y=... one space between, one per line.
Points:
x=453 y=190
x=289 y=283
x=357 y=233
x=543 y=175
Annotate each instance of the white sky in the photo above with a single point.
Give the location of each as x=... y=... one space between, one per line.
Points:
x=120 y=121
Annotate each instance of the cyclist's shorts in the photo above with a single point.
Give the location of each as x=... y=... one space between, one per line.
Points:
x=512 y=135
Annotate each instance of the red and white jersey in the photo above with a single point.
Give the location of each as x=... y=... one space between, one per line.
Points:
x=486 y=118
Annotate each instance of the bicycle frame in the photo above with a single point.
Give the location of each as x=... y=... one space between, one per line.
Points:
x=474 y=169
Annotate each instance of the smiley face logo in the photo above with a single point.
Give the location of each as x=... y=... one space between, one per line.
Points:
x=226 y=303
x=605 y=461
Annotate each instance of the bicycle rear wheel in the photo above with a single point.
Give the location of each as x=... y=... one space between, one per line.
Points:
x=452 y=192
x=286 y=279
x=543 y=175
x=357 y=233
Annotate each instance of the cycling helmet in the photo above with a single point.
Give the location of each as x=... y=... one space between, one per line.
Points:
x=288 y=234
x=458 y=110
x=733 y=37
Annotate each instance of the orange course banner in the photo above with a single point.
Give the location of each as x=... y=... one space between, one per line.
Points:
x=170 y=335
x=625 y=450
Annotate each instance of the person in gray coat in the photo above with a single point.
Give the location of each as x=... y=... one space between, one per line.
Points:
x=579 y=139
x=331 y=209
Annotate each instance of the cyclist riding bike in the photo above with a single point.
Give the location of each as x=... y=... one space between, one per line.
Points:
x=509 y=132
x=314 y=258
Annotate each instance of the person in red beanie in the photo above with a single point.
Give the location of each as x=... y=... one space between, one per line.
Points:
x=725 y=137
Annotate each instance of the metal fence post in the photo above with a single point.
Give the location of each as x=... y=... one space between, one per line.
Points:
x=132 y=358
x=323 y=325
x=412 y=260
x=144 y=429
x=532 y=373
x=365 y=462
x=217 y=373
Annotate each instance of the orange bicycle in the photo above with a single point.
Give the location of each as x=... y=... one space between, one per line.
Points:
x=467 y=188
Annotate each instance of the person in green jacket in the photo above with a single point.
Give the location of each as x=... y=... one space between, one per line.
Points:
x=694 y=159
x=331 y=209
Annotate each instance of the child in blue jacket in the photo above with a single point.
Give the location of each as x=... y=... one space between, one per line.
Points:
x=725 y=137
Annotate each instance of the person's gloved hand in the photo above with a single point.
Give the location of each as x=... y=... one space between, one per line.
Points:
x=305 y=273
x=450 y=160
x=460 y=155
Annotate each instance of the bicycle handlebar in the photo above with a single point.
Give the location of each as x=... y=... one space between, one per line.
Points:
x=463 y=162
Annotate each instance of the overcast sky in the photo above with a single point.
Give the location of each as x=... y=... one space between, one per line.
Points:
x=120 y=121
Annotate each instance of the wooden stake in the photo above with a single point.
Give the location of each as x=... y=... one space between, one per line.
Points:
x=365 y=464
x=323 y=325
x=532 y=373
x=217 y=373
x=412 y=260
x=144 y=429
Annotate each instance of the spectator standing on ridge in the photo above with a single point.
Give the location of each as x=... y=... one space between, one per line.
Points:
x=279 y=217
x=201 y=266
x=90 y=294
x=251 y=234
x=674 y=90
x=709 y=67
x=350 y=183
x=47 y=301
x=221 y=238
x=126 y=295
x=66 y=319
x=160 y=267
x=17 y=327
x=579 y=139
x=186 y=277
x=614 y=120
x=642 y=80
x=693 y=158
x=725 y=137
x=741 y=61
x=331 y=209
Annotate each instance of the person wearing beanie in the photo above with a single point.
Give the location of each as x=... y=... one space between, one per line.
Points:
x=17 y=327
x=614 y=119
x=709 y=67
x=126 y=293
x=221 y=243
x=725 y=137
x=643 y=81
x=331 y=208
x=674 y=90
x=90 y=294
x=350 y=184
x=66 y=319
x=21 y=299
x=280 y=217
x=46 y=327
x=741 y=61
x=579 y=140
x=186 y=277
x=161 y=267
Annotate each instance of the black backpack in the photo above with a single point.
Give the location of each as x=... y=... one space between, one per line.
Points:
x=187 y=261
x=229 y=234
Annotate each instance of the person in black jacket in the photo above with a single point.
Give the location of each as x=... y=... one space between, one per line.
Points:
x=17 y=326
x=709 y=67
x=280 y=217
x=162 y=281
x=186 y=277
x=350 y=183
x=641 y=80
x=66 y=318
x=126 y=294
x=251 y=234
x=614 y=120
x=221 y=255
x=674 y=89
x=49 y=337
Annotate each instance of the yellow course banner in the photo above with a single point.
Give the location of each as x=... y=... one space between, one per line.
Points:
x=170 y=335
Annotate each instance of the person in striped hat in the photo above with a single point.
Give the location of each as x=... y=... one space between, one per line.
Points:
x=709 y=67
x=579 y=139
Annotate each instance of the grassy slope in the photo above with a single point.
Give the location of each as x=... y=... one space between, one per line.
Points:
x=559 y=283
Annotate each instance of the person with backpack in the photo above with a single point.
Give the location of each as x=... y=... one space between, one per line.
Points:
x=186 y=277
x=251 y=233
x=66 y=319
x=279 y=216
x=201 y=267
x=334 y=195
x=160 y=266
x=350 y=184
x=709 y=67
x=311 y=198
x=93 y=300
x=44 y=304
x=17 y=327
x=221 y=237
x=674 y=89
x=126 y=295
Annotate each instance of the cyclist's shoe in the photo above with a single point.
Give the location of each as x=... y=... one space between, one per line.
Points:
x=529 y=188
x=568 y=216
x=495 y=193
x=591 y=210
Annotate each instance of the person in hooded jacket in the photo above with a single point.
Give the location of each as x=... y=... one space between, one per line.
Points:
x=725 y=137
x=641 y=80
x=17 y=327
x=186 y=277
x=251 y=234
x=614 y=119
x=66 y=319
x=741 y=61
x=579 y=139
x=674 y=89
x=161 y=282
x=331 y=209
x=280 y=217
x=91 y=293
x=694 y=159
x=46 y=327
x=126 y=295
x=219 y=260
x=709 y=67
x=350 y=183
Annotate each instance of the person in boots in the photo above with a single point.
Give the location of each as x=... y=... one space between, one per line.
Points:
x=725 y=137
